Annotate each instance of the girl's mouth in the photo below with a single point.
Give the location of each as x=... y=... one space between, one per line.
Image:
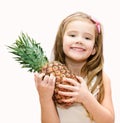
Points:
x=78 y=49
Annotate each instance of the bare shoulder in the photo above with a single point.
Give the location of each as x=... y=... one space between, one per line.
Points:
x=106 y=79
x=107 y=85
x=107 y=101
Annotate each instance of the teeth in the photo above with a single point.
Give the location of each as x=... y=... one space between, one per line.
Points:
x=78 y=49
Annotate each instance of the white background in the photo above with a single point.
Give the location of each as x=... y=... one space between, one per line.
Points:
x=19 y=101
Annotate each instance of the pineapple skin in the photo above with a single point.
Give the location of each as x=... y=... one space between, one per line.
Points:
x=60 y=71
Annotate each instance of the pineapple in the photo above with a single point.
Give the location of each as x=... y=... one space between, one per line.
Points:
x=30 y=55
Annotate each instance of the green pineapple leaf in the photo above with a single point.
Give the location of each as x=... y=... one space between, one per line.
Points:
x=28 y=53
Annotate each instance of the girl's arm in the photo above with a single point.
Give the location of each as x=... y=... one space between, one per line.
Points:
x=104 y=112
x=45 y=87
x=101 y=113
x=48 y=112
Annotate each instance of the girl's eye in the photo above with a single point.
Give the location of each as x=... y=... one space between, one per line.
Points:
x=87 y=38
x=72 y=35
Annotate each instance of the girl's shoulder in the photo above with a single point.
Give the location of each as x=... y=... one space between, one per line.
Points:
x=107 y=88
x=106 y=79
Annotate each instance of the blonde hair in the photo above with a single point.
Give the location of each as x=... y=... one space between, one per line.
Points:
x=94 y=64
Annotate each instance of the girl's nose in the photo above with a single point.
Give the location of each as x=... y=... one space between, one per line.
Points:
x=79 y=40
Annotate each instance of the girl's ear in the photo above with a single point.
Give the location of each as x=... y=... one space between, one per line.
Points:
x=94 y=51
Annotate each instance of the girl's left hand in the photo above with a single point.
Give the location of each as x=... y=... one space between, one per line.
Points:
x=77 y=92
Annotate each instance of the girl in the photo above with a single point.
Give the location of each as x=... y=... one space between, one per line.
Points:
x=79 y=45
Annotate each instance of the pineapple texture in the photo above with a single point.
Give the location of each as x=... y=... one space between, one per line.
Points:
x=30 y=55
x=60 y=71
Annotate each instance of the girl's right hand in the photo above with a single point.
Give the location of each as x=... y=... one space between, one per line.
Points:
x=45 y=85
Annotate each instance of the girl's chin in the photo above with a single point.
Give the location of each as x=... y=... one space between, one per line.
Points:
x=77 y=58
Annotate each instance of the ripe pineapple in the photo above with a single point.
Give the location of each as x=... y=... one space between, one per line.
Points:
x=30 y=55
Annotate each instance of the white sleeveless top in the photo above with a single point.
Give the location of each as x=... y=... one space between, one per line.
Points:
x=76 y=113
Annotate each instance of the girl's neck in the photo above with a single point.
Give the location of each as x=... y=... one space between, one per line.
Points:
x=74 y=66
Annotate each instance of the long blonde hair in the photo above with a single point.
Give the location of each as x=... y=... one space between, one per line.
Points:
x=94 y=64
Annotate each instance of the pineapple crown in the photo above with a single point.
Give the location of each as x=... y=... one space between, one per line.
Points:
x=28 y=53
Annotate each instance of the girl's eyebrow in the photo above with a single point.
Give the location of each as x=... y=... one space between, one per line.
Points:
x=89 y=34
x=74 y=31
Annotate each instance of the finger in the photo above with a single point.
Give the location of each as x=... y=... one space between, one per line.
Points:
x=46 y=79
x=39 y=76
x=52 y=80
x=35 y=77
x=70 y=94
x=80 y=79
x=71 y=81
x=68 y=87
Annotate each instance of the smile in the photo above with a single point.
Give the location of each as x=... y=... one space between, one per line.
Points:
x=78 y=49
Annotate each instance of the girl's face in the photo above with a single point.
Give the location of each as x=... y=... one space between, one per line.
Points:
x=79 y=40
